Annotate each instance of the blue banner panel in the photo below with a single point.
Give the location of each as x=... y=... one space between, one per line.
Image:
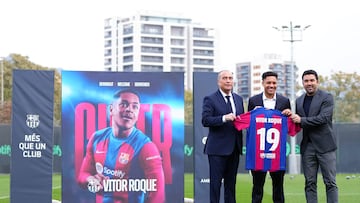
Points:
x=32 y=136
x=122 y=137
x=204 y=84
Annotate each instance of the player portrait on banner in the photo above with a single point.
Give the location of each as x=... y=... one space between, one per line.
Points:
x=114 y=154
x=118 y=137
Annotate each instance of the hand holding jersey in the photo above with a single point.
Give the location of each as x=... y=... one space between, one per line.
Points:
x=267 y=130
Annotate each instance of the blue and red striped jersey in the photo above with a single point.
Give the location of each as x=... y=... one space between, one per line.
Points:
x=131 y=167
x=266 y=136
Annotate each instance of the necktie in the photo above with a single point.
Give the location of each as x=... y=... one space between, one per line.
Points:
x=229 y=104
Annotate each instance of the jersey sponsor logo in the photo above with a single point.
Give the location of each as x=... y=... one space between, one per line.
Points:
x=108 y=172
x=115 y=173
x=267 y=155
x=99 y=167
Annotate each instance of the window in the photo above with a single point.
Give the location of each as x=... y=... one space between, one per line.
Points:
x=200 y=32
x=128 y=29
x=177 y=60
x=177 y=69
x=107 y=34
x=203 y=43
x=177 y=31
x=107 y=61
x=128 y=49
x=128 y=68
x=200 y=52
x=177 y=51
x=151 y=68
x=128 y=40
x=203 y=69
x=204 y=61
x=108 y=43
x=128 y=59
x=148 y=49
x=107 y=52
x=179 y=42
x=152 y=40
x=152 y=29
x=156 y=59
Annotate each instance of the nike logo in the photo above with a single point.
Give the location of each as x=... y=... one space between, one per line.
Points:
x=99 y=152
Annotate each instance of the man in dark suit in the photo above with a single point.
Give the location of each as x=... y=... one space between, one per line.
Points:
x=224 y=143
x=314 y=111
x=271 y=100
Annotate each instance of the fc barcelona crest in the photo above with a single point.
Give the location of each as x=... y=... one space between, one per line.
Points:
x=124 y=158
x=32 y=120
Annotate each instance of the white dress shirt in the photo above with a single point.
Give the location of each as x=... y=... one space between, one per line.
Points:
x=231 y=101
x=269 y=103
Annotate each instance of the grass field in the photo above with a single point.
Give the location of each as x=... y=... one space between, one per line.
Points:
x=349 y=188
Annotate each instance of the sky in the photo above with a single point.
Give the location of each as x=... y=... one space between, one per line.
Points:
x=69 y=34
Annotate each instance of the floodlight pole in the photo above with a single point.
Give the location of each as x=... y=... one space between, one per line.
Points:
x=293 y=158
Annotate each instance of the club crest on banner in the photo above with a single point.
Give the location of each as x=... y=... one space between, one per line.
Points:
x=32 y=120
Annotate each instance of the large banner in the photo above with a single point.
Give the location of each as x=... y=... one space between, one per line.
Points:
x=122 y=137
x=204 y=84
x=32 y=136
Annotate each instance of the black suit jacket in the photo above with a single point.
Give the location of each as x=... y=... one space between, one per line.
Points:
x=281 y=103
x=223 y=137
x=318 y=124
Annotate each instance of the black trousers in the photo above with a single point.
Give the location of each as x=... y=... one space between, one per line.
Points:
x=277 y=186
x=223 y=168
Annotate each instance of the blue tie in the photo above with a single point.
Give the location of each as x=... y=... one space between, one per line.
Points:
x=229 y=103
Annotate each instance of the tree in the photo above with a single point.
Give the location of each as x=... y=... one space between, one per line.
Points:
x=5 y=109
x=17 y=61
x=188 y=107
x=345 y=89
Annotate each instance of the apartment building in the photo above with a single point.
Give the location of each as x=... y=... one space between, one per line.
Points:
x=248 y=75
x=156 y=42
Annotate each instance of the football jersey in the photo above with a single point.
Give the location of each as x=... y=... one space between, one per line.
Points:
x=266 y=137
x=133 y=163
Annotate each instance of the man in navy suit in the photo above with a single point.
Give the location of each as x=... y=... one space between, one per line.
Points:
x=314 y=111
x=224 y=143
x=271 y=100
